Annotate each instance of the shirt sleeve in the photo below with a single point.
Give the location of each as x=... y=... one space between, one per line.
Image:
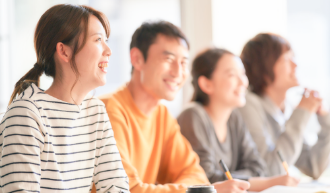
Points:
x=22 y=142
x=290 y=142
x=109 y=174
x=313 y=160
x=122 y=135
x=181 y=163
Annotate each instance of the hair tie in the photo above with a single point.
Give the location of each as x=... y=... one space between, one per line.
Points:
x=36 y=66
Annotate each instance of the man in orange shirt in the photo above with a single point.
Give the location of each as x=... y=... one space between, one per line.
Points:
x=156 y=157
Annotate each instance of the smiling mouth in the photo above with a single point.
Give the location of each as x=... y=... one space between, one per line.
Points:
x=102 y=66
x=173 y=85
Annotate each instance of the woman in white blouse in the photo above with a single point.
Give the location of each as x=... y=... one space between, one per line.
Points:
x=59 y=140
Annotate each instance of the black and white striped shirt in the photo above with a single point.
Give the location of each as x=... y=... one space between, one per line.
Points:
x=48 y=145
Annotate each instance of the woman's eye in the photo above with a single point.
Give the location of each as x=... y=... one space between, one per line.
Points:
x=98 y=39
x=231 y=74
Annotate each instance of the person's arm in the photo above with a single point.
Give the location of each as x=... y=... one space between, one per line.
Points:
x=180 y=161
x=289 y=142
x=122 y=135
x=22 y=142
x=109 y=174
x=314 y=160
x=250 y=162
x=195 y=130
x=261 y=183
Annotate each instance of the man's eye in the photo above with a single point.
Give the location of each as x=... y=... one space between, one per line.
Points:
x=169 y=59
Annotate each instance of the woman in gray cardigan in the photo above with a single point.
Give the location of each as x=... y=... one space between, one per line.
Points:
x=217 y=131
x=269 y=64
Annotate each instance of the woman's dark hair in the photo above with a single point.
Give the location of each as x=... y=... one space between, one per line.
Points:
x=259 y=56
x=61 y=23
x=204 y=65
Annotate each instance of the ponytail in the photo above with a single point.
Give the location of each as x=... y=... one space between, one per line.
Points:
x=33 y=76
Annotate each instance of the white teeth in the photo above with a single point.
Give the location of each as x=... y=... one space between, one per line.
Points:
x=173 y=85
x=103 y=65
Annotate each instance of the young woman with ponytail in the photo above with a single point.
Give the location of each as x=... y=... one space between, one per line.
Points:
x=59 y=140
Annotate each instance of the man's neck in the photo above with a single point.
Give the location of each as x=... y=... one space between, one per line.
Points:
x=145 y=102
x=277 y=96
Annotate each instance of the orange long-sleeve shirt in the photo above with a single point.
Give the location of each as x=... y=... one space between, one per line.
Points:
x=155 y=155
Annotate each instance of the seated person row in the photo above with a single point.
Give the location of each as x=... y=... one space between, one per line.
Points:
x=155 y=155
x=270 y=68
x=217 y=131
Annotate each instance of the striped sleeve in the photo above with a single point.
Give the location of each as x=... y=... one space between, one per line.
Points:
x=21 y=144
x=109 y=174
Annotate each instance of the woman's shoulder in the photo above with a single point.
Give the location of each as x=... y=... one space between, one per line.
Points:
x=193 y=110
x=27 y=99
x=253 y=100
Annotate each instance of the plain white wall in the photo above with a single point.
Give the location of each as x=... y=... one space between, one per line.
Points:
x=237 y=21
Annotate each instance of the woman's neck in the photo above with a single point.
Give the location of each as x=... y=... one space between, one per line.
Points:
x=219 y=115
x=277 y=96
x=62 y=90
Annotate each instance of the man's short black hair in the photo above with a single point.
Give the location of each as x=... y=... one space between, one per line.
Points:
x=146 y=35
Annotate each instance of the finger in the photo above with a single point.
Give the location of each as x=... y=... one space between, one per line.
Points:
x=316 y=94
x=243 y=185
x=237 y=190
x=311 y=94
x=306 y=93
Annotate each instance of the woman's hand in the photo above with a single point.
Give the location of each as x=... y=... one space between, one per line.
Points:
x=322 y=111
x=310 y=101
x=261 y=183
x=285 y=180
x=232 y=186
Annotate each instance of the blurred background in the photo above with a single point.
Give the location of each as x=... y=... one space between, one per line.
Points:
x=223 y=23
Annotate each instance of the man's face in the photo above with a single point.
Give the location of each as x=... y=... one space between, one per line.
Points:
x=166 y=68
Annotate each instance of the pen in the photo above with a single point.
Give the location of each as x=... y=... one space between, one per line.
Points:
x=226 y=170
x=285 y=165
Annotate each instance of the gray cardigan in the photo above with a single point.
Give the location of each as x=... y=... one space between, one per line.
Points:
x=197 y=127
x=271 y=132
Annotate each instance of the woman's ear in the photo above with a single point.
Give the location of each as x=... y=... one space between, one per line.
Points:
x=137 y=58
x=63 y=52
x=205 y=85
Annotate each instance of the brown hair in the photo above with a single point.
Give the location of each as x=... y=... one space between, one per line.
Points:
x=147 y=33
x=204 y=65
x=61 y=23
x=259 y=56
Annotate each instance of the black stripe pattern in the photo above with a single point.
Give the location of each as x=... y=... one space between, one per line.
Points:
x=48 y=145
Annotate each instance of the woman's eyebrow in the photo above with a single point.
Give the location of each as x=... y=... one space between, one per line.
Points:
x=98 y=33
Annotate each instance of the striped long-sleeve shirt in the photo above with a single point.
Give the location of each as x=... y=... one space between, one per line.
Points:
x=48 y=145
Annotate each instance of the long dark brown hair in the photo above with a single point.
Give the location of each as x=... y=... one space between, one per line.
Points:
x=204 y=65
x=61 y=23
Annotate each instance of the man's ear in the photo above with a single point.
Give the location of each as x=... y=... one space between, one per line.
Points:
x=137 y=58
x=63 y=52
x=205 y=85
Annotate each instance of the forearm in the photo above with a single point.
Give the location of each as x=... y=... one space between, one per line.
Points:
x=166 y=188
x=314 y=160
x=289 y=143
x=258 y=184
